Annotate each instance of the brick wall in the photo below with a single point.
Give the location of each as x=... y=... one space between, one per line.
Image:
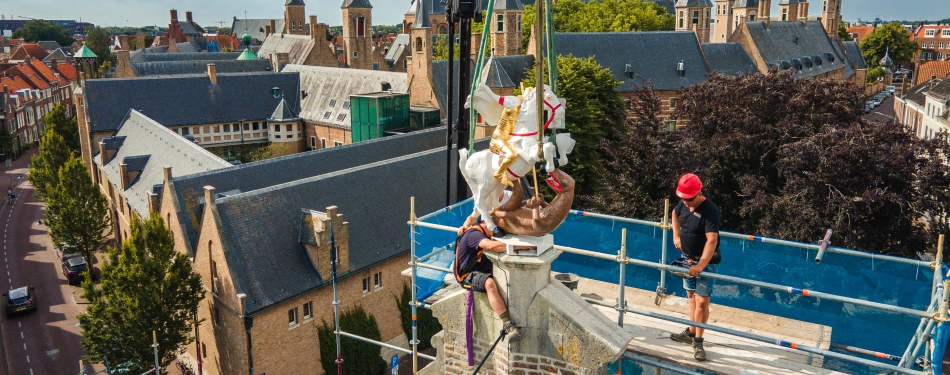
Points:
x=315 y=134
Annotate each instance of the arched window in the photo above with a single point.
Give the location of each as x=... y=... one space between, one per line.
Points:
x=443 y=29
x=360 y=26
x=419 y=45
x=751 y=16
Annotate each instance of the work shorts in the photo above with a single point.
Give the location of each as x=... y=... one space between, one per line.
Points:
x=701 y=286
x=476 y=281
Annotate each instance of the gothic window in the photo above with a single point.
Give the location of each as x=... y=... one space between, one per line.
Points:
x=419 y=45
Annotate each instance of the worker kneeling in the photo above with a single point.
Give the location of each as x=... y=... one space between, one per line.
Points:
x=474 y=271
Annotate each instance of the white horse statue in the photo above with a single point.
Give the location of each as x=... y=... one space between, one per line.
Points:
x=514 y=146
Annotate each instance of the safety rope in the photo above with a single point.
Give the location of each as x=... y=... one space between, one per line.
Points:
x=492 y=348
x=477 y=76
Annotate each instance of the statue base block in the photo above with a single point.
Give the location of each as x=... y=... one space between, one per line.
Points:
x=541 y=244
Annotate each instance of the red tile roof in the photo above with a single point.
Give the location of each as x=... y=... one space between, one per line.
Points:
x=30 y=49
x=14 y=83
x=919 y=33
x=30 y=76
x=67 y=71
x=928 y=69
x=860 y=32
x=40 y=68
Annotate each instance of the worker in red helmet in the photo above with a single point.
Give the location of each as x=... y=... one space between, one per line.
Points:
x=696 y=233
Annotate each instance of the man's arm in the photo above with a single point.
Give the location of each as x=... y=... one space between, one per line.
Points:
x=676 y=231
x=712 y=238
x=498 y=246
x=469 y=222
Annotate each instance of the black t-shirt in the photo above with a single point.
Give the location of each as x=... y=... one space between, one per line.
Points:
x=694 y=226
x=468 y=254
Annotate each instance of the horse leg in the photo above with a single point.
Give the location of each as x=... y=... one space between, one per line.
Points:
x=549 y=151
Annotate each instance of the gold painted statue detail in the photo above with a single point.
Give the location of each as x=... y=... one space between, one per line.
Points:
x=499 y=143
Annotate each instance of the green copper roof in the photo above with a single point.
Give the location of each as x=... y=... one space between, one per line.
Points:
x=84 y=52
x=247 y=55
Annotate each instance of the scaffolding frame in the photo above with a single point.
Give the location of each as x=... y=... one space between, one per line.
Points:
x=929 y=319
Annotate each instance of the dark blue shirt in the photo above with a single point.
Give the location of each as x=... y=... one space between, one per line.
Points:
x=694 y=226
x=468 y=255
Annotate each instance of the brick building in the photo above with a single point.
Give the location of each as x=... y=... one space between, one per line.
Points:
x=180 y=31
x=326 y=109
x=30 y=90
x=911 y=107
x=262 y=248
x=934 y=41
x=928 y=70
x=805 y=49
x=935 y=110
x=694 y=15
x=222 y=112
x=504 y=23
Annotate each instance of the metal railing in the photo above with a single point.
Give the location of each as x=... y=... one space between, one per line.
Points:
x=623 y=260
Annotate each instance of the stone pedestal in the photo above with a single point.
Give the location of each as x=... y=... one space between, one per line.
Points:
x=561 y=333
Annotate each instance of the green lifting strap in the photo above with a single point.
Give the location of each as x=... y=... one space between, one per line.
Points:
x=477 y=76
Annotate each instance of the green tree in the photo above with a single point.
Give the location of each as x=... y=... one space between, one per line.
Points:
x=39 y=30
x=57 y=120
x=6 y=142
x=891 y=38
x=99 y=41
x=875 y=73
x=601 y=16
x=44 y=168
x=359 y=357
x=426 y=324
x=224 y=31
x=146 y=286
x=843 y=33
x=76 y=212
x=594 y=109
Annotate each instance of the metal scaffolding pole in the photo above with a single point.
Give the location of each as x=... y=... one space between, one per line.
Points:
x=621 y=303
x=336 y=303
x=412 y=263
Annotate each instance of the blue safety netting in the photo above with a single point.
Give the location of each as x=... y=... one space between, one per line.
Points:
x=879 y=279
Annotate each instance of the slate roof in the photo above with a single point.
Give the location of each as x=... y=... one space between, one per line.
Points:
x=375 y=208
x=325 y=86
x=355 y=4
x=294 y=2
x=186 y=47
x=918 y=93
x=297 y=47
x=791 y=41
x=429 y=7
x=147 y=146
x=170 y=68
x=255 y=27
x=397 y=46
x=283 y=112
x=728 y=59
x=853 y=52
x=260 y=175
x=187 y=99
x=33 y=50
x=941 y=90
x=57 y=54
x=504 y=71
x=508 y=5
x=423 y=10
x=188 y=56
x=789 y=2
x=745 y=4
x=189 y=29
x=848 y=67
x=694 y=3
x=667 y=4
x=49 y=45
x=654 y=56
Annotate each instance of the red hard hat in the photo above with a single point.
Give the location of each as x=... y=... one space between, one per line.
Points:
x=689 y=186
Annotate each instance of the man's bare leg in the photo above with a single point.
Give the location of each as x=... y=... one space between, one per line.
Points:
x=692 y=309
x=701 y=312
x=494 y=297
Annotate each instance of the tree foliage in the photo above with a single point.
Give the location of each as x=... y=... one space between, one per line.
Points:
x=601 y=16
x=843 y=33
x=99 y=41
x=77 y=212
x=6 y=142
x=875 y=73
x=44 y=167
x=426 y=324
x=891 y=38
x=146 y=286
x=789 y=159
x=40 y=30
x=360 y=358
x=594 y=108
x=57 y=121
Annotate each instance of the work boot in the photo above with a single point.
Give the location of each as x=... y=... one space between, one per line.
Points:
x=685 y=337
x=511 y=331
x=698 y=352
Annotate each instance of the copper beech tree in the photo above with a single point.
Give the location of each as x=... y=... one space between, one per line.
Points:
x=784 y=158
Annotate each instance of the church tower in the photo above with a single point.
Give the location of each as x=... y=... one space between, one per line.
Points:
x=506 y=27
x=420 y=63
x=788 y=10
x=358 y=33
x=693 y=15
x=295 y=20
x=724 y=24
x=830 y=15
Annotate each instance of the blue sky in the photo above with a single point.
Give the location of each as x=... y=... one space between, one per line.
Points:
x=210 y=12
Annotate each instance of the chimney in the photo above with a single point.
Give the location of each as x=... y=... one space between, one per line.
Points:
x=124 y=62
x=933 y=81
x=273 y=26
x=153 y=204
x=267 y=30
x=313 y=27
x=103 y=152
x=874 y=25
x=188 y=16
x=174 y=14
x=167 y=173
x=124 y=42
x=213 y=74
x=172 y=45
x=209 y=196
x=123 y=176
x=320 y=253
x=140 y=41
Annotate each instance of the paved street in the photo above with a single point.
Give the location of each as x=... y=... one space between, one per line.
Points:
x=883 y=112
x=47 y=341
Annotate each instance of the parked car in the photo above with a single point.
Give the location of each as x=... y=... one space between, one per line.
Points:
x=867 y=109
x=21 y=300
x=876 y=101
x=74 y=269
x=62 y=252
x=890 y=89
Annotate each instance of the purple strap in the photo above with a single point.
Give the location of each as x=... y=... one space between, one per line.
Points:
x=469 y=347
